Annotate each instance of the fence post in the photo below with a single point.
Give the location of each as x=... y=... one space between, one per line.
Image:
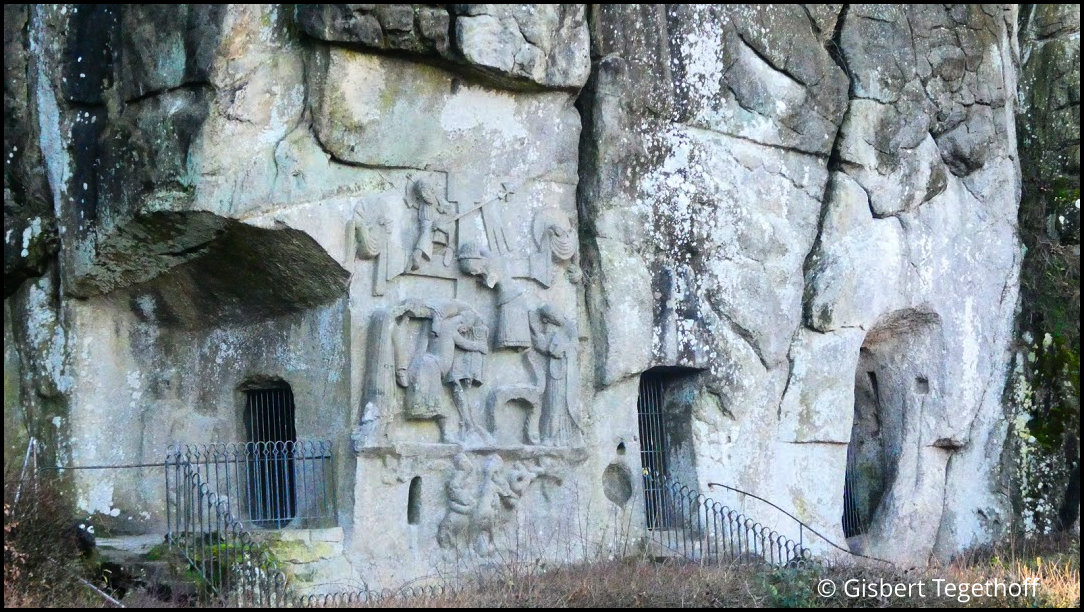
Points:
x=30 y=463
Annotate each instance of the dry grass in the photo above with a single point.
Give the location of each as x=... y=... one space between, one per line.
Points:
x=41 y=564
x=1054 y=563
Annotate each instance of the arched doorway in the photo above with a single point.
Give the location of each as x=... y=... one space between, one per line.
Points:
x=271 y=434
x=867 y=462
x=894 y=481
x=664 y=419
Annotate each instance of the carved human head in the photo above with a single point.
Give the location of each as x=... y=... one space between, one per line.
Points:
x=474 y=260
x=425 y=192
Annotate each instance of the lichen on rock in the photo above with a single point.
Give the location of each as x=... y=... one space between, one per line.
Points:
x=461 y=236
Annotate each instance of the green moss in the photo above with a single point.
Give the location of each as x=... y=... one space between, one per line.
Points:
x=1047 y=386
x=211 y=552
x=159 y=552
x=1056 y=373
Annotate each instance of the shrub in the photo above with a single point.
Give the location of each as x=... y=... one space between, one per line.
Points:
x=42 y=556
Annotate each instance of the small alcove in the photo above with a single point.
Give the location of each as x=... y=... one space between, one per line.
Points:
x=414 y=501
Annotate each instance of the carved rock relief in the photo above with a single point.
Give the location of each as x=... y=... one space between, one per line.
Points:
x=436 y=350
x=435 y=233
x=480 y=500
x=448 y=352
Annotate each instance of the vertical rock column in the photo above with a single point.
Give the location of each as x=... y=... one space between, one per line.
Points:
x=1046 y=378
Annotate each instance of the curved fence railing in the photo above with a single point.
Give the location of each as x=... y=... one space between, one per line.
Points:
x=704 y=530
x=232 y=567
x=806 y=533
x=269 y=485
x=238 y=570
x=414 y=596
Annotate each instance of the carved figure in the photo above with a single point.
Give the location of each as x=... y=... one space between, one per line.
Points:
x=432 y=208
x=479 y=503
x=519 y=478
x=371 y=233
x=425 y=392
x=470 y=336
x=555 y=339
x=369 y=428
x=513 y=325
x=487 y=513
x=379 y=380
x=370 y=236
x=468 y=363
x=556 y=241
x=439 y=359
x=461 y=500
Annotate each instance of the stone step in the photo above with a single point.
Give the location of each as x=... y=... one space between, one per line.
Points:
x=146 y=564
x=121 y=547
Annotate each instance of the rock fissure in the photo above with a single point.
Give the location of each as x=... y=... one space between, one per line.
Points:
x=196 y=87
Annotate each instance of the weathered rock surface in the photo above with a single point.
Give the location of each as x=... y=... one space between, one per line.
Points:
x=460 y=234
x=29 y=220
x=770 y=181
x=546 y=43
x=399 y=27
x=1045 y=384
x=542 y=44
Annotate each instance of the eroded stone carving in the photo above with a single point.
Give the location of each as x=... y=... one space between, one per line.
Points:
x=432 y=249
x=372 y=426
x=370 y=234
x=513 y=325
x=549 y=399
x=481 y=501
x=433 y=211
x=441 y=355
x=448 y=351
x=555 y=339
x=556 y=241
x=529 y=396
x=436 y=216
x=461 y=502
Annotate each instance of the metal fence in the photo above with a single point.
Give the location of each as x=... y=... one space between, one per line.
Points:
x=654 y=448
x=234 y=569
x=853 y=516
x=216 y=493
x=268 y=485
x=703 y=530
x=413 y=596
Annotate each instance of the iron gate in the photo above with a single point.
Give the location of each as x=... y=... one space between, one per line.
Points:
x=654 y=450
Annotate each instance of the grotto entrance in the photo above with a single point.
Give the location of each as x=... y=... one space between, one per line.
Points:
x=864 y=482
x=272 y=434
x=895 y=467
x=664 y=418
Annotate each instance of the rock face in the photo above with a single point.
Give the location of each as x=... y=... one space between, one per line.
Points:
x=29 y=221
x=538 y=44
x=456 y=237
x=1045 y=384
x=805 y=214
